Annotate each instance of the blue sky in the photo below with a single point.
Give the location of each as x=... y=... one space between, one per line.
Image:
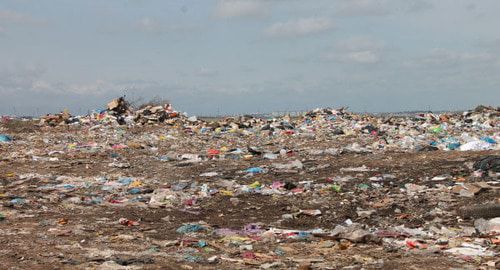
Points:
x=236 y=56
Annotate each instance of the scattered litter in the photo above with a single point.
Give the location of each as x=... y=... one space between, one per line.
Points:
x=132 y=187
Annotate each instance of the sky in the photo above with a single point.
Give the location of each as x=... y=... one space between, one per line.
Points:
x=212 y=57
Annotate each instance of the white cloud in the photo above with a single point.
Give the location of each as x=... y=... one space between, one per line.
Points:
x=359 y=43
x=29 y=79
x=300 y=27
x=418 y=5
x=9 y=16
x=97 y=87
x=239 y=8
x=151 y=25
x=366 y=57
x=206 y=72
x=17 y=78
x=491 y=46
x=446 y=57
x=148 y=25
x=364 y=7
x=41 y=86
x=380 y=7
x=361 y=50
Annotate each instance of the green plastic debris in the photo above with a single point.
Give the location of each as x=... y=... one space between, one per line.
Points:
x=335 y=188
x=437 y=129
x=363 y=186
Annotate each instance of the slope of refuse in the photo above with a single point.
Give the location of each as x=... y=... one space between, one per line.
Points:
x=153 y=188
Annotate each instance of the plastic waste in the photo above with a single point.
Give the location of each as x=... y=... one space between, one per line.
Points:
x=254 y=170
x=476 y=145
x=5 y=138
x=189 y=228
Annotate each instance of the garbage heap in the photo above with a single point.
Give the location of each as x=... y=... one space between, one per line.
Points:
x=121 y=112
x=469 y=130
x=156 y=114
x=329 y=189
x=61 y=118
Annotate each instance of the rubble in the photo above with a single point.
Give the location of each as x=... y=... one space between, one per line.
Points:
x=481 y=211
x=489 y=163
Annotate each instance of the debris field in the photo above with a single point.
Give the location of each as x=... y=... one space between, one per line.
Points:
x=152 y=188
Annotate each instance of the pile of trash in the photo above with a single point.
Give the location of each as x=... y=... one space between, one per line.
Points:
x=471 y=130
x=330 y=189
x=56 y=119
x=118 y=111
x=121 y=110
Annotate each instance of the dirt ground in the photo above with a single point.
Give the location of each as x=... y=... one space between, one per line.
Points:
x=50 y=230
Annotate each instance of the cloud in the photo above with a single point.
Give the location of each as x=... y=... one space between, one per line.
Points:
x=358 y=43
x=9 y=17
x=147 y=24
x=492 y=45
x=380 y=7
x=206 y=72
x=417 y=6
x=93 y=88
x=361 y=50
x=239 y=8
x=151 y=25
x=300 y=27
x=28 y=79
x=19 y=78
x=440 y=57
x=13 y=17
x=29 y=94
x=364 y=57
x=364 y=7
x=96 y=88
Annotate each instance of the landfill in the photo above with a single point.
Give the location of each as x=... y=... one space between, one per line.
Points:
x=154 y=188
